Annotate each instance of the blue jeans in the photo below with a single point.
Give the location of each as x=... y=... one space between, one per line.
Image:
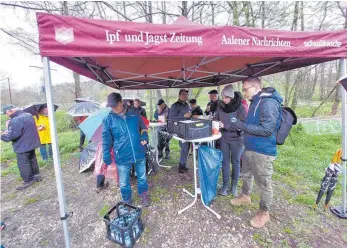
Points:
x=43 y=151
x=124 y=179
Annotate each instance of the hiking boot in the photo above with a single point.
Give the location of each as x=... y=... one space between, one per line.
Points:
x=241 y=200
x=326 y=207
x=26 y=185
x=145 y=201
x=38 y=177
x=182 y=168
x=167 y=155
x=99 y=189
x=260 y=219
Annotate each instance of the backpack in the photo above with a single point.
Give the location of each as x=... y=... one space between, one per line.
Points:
x=288 y=119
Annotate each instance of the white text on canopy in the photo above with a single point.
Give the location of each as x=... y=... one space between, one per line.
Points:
x=147 y=38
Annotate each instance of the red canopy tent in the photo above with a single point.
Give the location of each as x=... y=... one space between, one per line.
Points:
x=126 y=55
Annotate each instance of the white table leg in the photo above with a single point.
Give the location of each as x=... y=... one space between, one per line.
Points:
x=196 y=189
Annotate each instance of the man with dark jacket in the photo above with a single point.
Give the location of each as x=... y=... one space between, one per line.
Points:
x=137 y=106
x=181 y=109
x=213 y=104
x=22 y=132
x=260 y=129
x=196 y=110
x=125 y=132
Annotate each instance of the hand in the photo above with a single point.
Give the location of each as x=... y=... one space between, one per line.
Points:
x=144 y=142
x=188 y=114
x=208 y=109
x=221 y=125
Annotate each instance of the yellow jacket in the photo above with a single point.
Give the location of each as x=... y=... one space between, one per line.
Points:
x=337 y=157
x=42 y=124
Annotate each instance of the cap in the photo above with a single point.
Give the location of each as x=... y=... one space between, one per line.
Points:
x=192 y=101
x=113 y=99
x=160 y=102
x=228 y=91
x=181 y=90
x=213 y=92
x=8 y=107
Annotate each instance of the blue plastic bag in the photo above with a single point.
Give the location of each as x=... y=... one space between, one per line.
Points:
x=210 y=163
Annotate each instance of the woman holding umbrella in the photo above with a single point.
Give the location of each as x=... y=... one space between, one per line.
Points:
x=43 y=129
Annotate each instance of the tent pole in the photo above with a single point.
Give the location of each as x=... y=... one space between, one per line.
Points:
x=55 y=149
x=341 y=210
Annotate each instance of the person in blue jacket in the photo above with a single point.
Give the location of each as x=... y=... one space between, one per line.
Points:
x=22 y=132
x=260 y=129
x=125 y=132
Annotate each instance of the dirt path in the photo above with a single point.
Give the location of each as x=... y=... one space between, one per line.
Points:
x=32 y=216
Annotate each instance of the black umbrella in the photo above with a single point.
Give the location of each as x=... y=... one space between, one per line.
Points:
x=164 y=138
x=34 y=108
x=83 y=109
x=328 y=183
x=87 y=157
x=151 y=160
x=85 y=100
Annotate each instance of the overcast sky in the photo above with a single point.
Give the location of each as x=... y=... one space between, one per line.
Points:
x=15 y=61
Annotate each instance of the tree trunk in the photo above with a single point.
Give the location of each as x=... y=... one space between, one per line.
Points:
x=315 y=80
x=185 y=8
x=247 y=16
x=287 y=86
x=322 y=90
x=263 y=17
x=234 y=7
x=337 y=92
x=167 y=96
x=296 y=92
x=302 y=15
x=295 y=19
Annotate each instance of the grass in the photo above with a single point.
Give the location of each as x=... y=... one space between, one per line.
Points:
x=30 y=201
x=301 y=167
x=104 y=210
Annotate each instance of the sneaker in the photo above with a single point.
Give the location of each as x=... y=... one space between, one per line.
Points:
x=26 y=185
x=38 y=177
x=145 y=200
x=260 y=219
x=241 y=200
x=127 y=202
x=99 y=189
x=223 y=191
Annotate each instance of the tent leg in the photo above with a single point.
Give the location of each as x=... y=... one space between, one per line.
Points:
x=55 y=149
x=341 y=210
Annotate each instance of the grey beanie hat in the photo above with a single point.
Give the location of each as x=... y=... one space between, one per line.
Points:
x=228 y=91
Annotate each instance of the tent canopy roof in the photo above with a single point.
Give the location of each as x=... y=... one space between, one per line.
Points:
x=184 y=54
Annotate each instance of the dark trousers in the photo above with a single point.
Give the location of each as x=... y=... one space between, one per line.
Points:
x=82 y=138
x=184 y=152
x=27 y=164
x=231 y=153
x=100 y=181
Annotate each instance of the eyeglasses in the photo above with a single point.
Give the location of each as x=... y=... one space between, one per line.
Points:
x=245 y=90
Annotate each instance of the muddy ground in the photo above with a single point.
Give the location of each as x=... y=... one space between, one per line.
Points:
x=32 y=216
